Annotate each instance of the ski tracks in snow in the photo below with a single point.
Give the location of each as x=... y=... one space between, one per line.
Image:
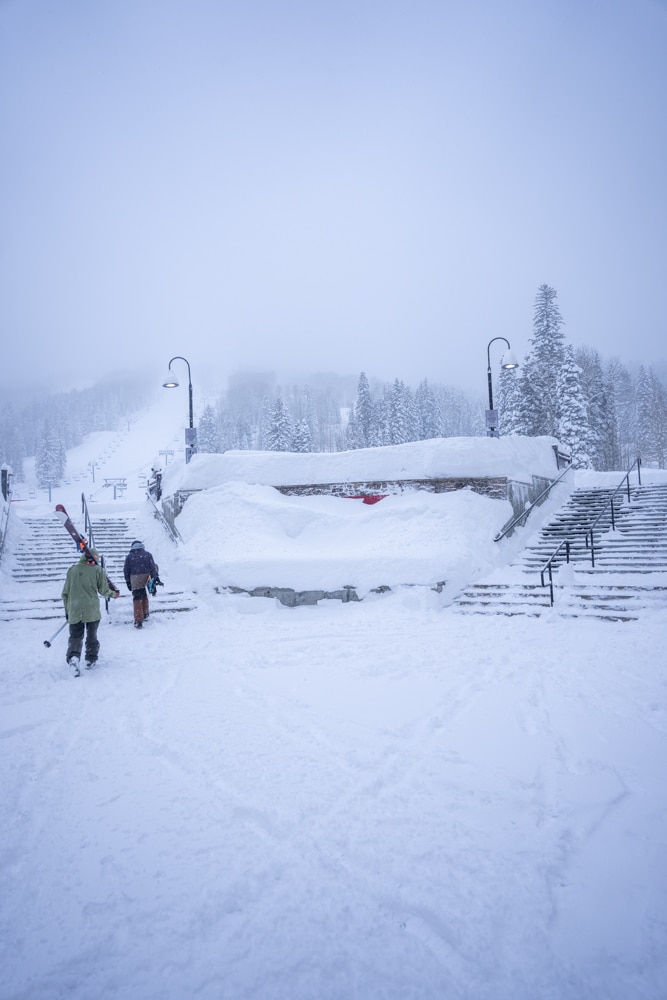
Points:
x=309 y=779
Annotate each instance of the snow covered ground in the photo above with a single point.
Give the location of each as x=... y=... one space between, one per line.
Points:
x=375 y=800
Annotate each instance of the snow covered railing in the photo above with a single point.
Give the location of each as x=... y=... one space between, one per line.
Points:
x=87 y=523
x=590 y=530
x=548 y=567
x=168 y=524
x=515 y=521
x=610 y=503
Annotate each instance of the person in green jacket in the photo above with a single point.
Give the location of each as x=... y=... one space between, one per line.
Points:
x=84 y=583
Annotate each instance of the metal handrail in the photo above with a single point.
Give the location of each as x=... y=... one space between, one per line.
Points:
x=626 y=479
x=538 y=500
x=171 y=529
x=87 y=524
x=88 y=533
x=548 y=566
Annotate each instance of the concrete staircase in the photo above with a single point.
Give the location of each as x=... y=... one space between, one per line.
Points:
x=636 y=544
x=45 y=552
x=628 y=575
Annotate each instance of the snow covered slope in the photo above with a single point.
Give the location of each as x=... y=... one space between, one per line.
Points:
x=375 y=800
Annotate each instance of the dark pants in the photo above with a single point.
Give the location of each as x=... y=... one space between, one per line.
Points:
x=76 y=640
x=140 y=605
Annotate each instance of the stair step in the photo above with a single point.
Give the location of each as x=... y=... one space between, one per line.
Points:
x=45 y=554
x=636 y=546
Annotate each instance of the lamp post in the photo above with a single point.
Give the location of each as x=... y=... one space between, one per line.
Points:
x=171 y=382
x=508 y=361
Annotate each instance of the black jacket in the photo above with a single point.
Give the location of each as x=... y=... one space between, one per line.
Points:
x=138 y=561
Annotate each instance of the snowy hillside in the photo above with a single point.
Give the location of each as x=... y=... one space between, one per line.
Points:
x=369 y=800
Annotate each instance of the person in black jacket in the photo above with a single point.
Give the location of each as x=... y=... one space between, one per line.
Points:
x=138 y=569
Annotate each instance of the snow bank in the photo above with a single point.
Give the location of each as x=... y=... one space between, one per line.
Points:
x=516 y=457
x=240 y=531
x=253 y=536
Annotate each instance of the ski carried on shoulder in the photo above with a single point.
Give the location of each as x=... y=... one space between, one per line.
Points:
x=80 y=540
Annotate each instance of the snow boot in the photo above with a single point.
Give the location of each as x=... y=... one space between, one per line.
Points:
x=90 y=664
x=73 y=663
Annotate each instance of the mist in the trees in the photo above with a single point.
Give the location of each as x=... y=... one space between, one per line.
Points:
x=597 y=410
x=47 y=427
x=604 y=414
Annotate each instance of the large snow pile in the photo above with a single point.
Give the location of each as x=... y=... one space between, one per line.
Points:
x=517 y=458
x=253 y=536
x=241 y=532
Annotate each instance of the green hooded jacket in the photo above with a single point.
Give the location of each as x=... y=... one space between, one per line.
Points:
x=83 y=584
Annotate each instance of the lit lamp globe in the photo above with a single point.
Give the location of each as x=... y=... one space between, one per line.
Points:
x=509 y=361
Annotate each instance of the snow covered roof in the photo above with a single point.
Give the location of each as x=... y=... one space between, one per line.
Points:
x=517 y=458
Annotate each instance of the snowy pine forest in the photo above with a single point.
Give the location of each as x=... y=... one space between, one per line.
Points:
x=603 y=412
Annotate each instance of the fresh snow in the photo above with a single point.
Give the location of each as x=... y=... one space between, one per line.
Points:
x=381 y=799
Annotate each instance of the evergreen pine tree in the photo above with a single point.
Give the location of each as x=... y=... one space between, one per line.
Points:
x=509 y=409
x=363 y=409
x=382 y=419
x=50 y=459
x=660 y=423
x=542 y=367
x=610 y=454
x=353 y=435
x=301 y=441
x=428 y=412
x=279 y=436
x=207 y=433
x=651 y=418
x=399 y=415
x=644 y=397
x=308 y=413
x=573 y=428
x=599 y=406
x=626 y=414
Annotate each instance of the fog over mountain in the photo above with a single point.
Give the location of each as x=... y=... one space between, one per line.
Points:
x=331 y=187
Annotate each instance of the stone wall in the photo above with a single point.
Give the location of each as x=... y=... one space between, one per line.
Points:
x=495 y=487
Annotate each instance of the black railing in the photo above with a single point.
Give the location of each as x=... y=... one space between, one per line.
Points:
x=610 y=503
x=548 y=567
x=589 y=535
x=90 y=538
x=87 y=524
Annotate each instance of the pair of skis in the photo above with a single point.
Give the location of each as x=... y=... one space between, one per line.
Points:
x=81 y=542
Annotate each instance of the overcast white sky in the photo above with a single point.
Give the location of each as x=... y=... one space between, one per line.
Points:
x=328 y=185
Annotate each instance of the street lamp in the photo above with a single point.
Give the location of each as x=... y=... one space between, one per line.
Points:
x=508 y=361
x=171 y=382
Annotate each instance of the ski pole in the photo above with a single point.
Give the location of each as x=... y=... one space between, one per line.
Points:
x=47 y=642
